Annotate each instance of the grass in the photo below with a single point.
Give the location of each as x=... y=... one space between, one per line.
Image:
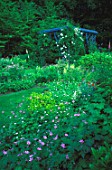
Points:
x=10 y=103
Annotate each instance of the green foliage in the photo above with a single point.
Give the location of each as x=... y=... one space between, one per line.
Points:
x=63 y=126
x=41 y=102
x=102 y=158
x=71 y=120
x=70 y=45
x=14 y=75
x=26 y=18
x=99 y=66
x=46 y=74
x=18 y=32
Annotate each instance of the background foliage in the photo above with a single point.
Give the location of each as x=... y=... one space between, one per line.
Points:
x=21 y=20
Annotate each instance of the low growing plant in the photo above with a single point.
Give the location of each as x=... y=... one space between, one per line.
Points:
x=102 y=158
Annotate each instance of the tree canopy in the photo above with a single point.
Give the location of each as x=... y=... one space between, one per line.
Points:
x=21 y=20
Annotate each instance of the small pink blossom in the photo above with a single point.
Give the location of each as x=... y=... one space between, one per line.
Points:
x=39 y=149
x=50 y=133
x=81 y=141
x=67 y=157
x=52 y=120
x=26 y=152
x=42 y=143
x=15 y=143
x=28 y=142
x=50 y=154
x=109 y=46
x=76 y=114
x=56 y=137
x=45 y=137
x=31 y=159
x=66 y=134
x=63 y=145
x=19 y=154
x=4 y=152
x=55 y=127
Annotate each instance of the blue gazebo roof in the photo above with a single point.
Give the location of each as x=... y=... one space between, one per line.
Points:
x=60 y=28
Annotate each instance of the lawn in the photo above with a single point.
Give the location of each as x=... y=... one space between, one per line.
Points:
x=12 y=102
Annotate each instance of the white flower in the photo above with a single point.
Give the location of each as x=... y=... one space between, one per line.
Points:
x=63 y=52
x=65 y=56
x=61 y=37
x=76 y=29
x=61 y=34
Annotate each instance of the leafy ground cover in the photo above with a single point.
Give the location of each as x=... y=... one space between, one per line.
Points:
x=66 y=126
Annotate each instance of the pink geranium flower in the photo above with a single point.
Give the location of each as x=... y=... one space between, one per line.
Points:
x=56 y=137
x=50 y=154
x=66 y=134
x=67 y=157
x=26 y=152
x=63 y=145
x=55 y=127
x=31 y=159
x=76 y=114
x=4 y=152
x=45 y=137
x=42 y=143
x=81 y=141
x=28 y=142
x=50 y=133
x=39 y=149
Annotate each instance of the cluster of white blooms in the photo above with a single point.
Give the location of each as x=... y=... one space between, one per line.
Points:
x=62 y=35
x=65 y=43
x=76 y=31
